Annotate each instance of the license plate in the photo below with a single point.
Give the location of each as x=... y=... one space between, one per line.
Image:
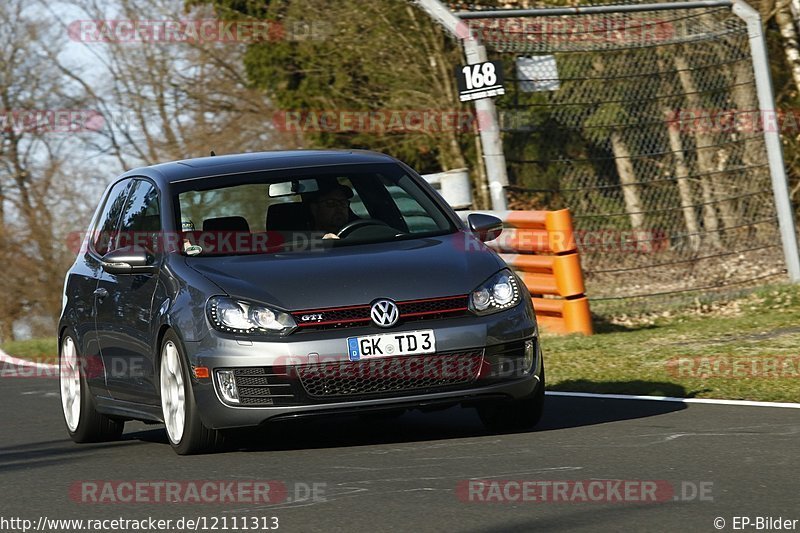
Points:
x=390 y=344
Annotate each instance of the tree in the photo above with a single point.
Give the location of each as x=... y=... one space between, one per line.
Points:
x=36 y=147
x=380 y=57
x=170 y=100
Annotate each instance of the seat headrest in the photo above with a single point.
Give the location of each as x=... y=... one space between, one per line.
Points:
x=226 y=224
x=151 y=223
x=292 y=216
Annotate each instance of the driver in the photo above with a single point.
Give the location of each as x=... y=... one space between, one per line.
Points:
x=330 y=209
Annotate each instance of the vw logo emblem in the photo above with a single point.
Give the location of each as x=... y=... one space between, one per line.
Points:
x=384 y=313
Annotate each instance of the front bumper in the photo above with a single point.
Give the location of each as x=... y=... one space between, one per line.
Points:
x=498 y=341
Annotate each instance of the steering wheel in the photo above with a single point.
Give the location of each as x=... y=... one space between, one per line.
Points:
x=359 y=223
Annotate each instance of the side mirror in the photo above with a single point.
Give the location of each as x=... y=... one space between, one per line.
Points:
x=131 y=260
x=486 y=227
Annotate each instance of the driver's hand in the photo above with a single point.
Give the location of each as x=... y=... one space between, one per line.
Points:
x=330 y=236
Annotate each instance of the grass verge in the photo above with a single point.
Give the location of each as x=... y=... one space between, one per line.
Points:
x=40 y=350
x=744 y=349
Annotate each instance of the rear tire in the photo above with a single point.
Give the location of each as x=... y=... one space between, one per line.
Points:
x=186 y=432
x=517 y=415
x=83 y=422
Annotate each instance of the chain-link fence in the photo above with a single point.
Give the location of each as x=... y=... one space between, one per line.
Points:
x=645 y=125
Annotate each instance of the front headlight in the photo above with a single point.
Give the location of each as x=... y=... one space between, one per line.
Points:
x=238 y=316
x=500 y=292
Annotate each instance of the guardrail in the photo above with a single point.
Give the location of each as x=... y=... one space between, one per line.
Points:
x=540 y=246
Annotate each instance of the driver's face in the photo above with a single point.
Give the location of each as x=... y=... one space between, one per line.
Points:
x=330 y=211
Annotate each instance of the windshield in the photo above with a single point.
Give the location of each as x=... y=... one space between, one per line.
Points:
x=305 y=209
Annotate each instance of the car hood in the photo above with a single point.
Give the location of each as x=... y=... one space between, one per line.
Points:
x=355 y=275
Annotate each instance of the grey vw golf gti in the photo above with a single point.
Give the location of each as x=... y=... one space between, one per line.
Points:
x=226 y=292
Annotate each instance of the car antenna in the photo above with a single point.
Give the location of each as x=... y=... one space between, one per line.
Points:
x=213 y=153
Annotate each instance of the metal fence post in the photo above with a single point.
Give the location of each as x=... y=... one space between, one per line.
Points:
x=772 y=137
x=493 y=155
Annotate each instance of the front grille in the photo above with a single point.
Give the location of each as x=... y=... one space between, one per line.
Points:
x=374 y=377
x=425 y=307
x=359 y=315
x=365 y=379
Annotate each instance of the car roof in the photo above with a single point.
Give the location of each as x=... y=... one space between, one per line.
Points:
x=187 y=169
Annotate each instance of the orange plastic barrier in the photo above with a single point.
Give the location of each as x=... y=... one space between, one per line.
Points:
x=540 y=246
x=564 y=316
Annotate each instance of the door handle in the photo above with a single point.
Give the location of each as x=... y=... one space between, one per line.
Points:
x=101 y=293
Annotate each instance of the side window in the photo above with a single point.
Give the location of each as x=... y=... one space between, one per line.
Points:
x=240 y=201
x=141 y=219
x=105 y=231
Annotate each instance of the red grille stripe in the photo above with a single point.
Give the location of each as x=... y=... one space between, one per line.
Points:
x=359 y=314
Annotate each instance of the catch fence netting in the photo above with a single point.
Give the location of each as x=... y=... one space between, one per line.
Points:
x=646 y=126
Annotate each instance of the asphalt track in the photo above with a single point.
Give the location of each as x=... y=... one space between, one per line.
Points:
x=403 y=474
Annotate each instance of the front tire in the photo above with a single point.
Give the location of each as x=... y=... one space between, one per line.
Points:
x=84 y=423
x=517 y=415
x=186 y=432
